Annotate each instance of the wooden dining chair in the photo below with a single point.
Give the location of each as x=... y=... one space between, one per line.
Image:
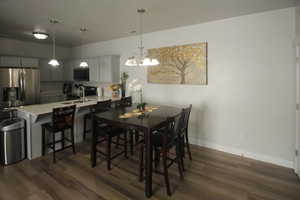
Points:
x=62 y=120
x=187 y=113
x=134 y=134
x=105 y=133
x=101 y=107
x=163 y=141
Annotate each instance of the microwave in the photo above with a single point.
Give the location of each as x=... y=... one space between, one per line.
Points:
x=81 y=74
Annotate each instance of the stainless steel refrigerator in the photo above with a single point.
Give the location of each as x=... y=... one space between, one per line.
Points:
x=19 y=86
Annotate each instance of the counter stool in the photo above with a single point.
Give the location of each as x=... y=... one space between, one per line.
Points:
x=62 y=120
x=104 y=133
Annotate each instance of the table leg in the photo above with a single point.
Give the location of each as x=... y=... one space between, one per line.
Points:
x=148 y=166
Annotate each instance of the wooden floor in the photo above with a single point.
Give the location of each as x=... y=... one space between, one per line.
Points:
x=212 y=175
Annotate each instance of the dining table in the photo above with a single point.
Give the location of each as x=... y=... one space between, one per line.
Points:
x=145 y=123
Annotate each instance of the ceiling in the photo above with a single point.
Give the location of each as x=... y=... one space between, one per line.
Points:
x=110 y=19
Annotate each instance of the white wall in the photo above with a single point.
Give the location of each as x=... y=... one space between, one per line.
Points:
x=248 y=106
x=30 y=49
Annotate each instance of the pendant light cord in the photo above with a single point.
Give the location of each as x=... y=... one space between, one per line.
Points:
x=54 y=56
x=141 y=35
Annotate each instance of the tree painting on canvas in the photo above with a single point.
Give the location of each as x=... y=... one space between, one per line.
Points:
x=185 y=64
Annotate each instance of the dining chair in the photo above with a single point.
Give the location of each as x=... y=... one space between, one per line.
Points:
x=126 y=102
x=163 y=141
x=102 y=106
x=187 y=113
x=62 y=120
x=105 y=133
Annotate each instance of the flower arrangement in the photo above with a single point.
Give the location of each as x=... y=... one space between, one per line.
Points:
x=115 y=87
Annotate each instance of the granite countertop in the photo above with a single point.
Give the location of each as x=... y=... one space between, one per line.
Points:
x=40 y=109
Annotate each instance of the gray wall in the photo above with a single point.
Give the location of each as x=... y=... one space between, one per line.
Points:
x=248 y=106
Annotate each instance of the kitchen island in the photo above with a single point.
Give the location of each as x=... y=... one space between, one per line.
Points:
x=36 y=115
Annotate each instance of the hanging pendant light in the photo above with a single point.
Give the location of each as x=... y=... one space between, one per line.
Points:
x=83 y=64
x=53 y=62
x=142 y=59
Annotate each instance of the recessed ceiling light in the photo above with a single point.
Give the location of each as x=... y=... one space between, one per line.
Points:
x=40 y=35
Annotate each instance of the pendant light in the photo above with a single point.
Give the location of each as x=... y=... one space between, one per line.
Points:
x=142 y=59
x=53 y=62
x=40 y=35
x=83 y=64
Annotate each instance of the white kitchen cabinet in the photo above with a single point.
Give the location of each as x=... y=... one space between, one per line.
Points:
x=57 y=73
x=109 y=69
x=45 y=72
x=10 y=61
x=29 y=62
x=94 y=68
x=68 y=70
x=50 y=73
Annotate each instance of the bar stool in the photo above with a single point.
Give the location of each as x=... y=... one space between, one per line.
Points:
x=105 y=133
x=62 y=120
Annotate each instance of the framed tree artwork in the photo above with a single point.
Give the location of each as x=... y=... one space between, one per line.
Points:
x=185 y=64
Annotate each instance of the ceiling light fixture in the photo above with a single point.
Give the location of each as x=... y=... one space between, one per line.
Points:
x=83 y=64
x=40 y=35
x=142 y=59
x=53 y=62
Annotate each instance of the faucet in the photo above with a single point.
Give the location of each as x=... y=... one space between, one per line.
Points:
x=82 y=89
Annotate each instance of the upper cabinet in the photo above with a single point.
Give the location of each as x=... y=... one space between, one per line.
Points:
x=109 y=69
x=49 y=73
x=13 y=61
x=94 y=67
x=10 y=61
x=29 y=62
x=104 y=69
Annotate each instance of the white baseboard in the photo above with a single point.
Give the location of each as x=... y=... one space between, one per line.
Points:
x=239 y=152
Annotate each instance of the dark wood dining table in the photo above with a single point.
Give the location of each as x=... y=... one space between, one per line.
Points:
x=146 y=124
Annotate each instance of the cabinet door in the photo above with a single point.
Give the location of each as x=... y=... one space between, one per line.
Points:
x=10 y=61
x=57 y=73
x=45 y=70
x=29 y=62
x=105 y=69
x=94 y=69
x=68 y=70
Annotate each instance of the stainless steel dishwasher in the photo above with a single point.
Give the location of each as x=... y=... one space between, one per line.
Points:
x=12 y=141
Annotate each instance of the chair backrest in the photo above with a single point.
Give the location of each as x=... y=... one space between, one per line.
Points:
x=124 y=102
x=101 y=106
x=187 y=113
x=63 y=117
x=173 y=129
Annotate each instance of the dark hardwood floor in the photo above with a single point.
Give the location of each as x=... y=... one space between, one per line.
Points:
x=212 y=175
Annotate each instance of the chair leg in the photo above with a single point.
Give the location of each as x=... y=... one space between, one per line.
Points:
x=179 y=160
x=72 y=139
x=63 y=139
x=108 y=152
x=131 y=142
x=157 y=159
x=166 y=174
x=93 y=146
x=141 y=175
x=118 y=140
x=43 y=141
x=54 y=151
x=125 y=144
x=188 y=145
x=84 y=127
